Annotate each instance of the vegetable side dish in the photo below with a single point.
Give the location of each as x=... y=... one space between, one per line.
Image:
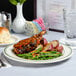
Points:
x=38 y=48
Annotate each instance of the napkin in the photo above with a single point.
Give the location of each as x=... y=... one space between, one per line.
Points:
x=34 y=27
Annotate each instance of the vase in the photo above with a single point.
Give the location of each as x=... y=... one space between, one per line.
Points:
x=19 y=21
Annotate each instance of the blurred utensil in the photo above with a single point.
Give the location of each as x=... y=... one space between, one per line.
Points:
x=2 y=63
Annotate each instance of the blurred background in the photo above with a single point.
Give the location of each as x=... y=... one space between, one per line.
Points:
x=28 y=9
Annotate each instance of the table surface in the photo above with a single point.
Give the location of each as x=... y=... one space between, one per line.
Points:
x=65 y=68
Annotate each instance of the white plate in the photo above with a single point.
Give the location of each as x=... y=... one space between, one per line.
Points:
x=8 y=53
x=14 y=38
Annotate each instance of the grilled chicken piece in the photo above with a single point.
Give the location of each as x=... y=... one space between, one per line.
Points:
x=29 y=44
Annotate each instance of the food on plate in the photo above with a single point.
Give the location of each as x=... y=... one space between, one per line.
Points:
x=38 y=48
x=5 y=36
x=29 y=44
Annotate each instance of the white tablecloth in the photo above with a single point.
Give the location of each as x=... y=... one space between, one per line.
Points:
x=65 y=68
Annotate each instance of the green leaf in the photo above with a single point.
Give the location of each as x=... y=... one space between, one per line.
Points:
x=22 y=1
x=14 y=2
